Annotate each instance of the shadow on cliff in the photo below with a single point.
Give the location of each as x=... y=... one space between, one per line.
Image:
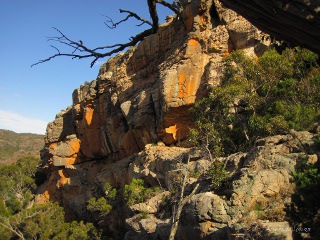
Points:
x=160 y=50
x=304 y=210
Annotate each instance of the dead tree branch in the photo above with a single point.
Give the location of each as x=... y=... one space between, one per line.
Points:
x=77 y=50
x=153 y=14
x=172 y=7
x=130 y=15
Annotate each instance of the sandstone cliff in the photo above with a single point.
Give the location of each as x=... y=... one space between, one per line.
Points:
x=141 y=97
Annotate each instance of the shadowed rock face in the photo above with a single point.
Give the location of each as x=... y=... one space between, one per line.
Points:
x=295 y=21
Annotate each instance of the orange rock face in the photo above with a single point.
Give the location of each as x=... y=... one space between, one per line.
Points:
x=64 y=152
x=63 y=180
x=143 y=96
x=89 y=115
x=74 y=147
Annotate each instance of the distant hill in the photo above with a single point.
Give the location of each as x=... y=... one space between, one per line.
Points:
x=16 y=145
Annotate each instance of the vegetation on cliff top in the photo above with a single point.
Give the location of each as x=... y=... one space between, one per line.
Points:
x=258 y=98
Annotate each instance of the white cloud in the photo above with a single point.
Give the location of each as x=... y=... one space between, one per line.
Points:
x=20 y=124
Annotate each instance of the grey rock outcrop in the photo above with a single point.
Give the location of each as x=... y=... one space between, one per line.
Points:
x=259 y=189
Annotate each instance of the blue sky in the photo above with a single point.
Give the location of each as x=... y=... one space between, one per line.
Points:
x=30 y=97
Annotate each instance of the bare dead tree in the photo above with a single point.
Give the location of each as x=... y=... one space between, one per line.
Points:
x=182 y=200
x=79 y=51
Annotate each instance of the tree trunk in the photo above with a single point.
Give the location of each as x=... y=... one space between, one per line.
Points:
x=182 y=202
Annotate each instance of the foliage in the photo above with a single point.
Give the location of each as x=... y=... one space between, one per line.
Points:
x=109 y=191
x=103 y=204
x=16 y=185
x=257 y=98
x=99 y=204
x=217 y=175
x=207 y=137
x=270 y=207
x=307 y=178
x=305 y=211
x=47 y=222
x=20 y=218
x=144 y=215
x=136 y=192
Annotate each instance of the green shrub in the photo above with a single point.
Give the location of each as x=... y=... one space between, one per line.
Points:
x=217 y=175
x=307 y=178
x=305 y=209
x=258 y=98
x=43 y=222
x=109 y=191
x=17 y=184
x=46 y=222
x=136 y=192
x=105 y=203
x=143 y=215
x=99 y=205
x=259 y=209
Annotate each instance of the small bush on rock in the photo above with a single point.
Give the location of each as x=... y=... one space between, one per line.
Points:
x=217 y=175
x=136 y=192
x=103 y=204
x=99 y=204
